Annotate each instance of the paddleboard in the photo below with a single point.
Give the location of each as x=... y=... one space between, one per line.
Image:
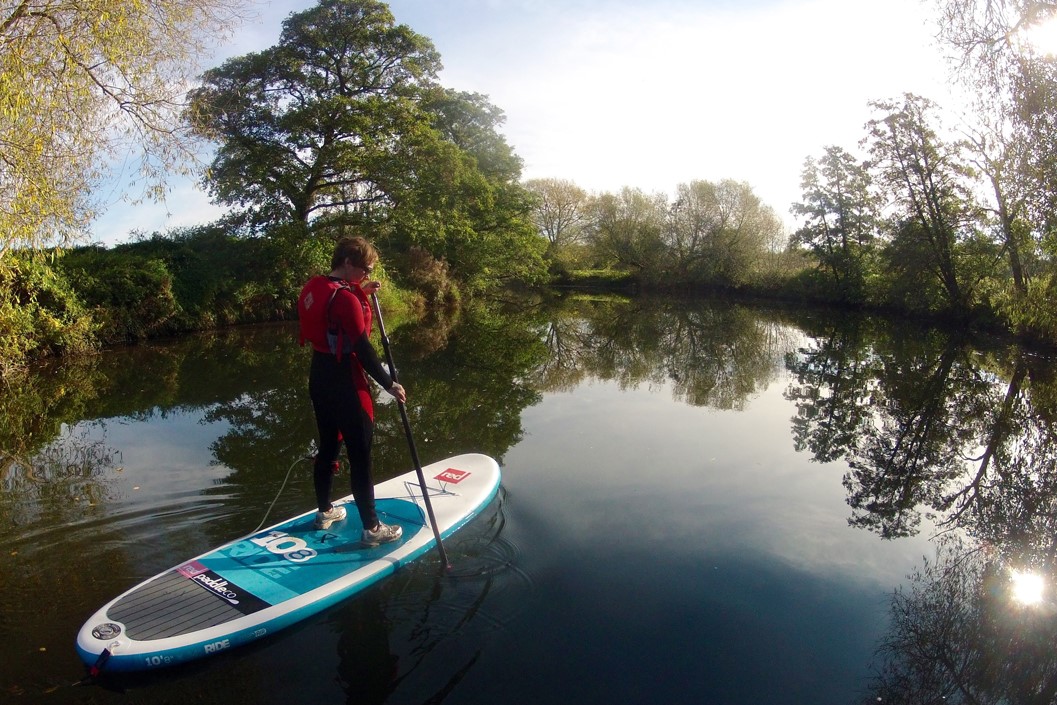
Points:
x=256 y=585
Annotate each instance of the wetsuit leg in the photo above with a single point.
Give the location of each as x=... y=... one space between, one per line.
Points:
x=337 y=409
x=358 y=433
x=324 y=388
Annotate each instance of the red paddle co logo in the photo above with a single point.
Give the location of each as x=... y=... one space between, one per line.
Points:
x=453 y=476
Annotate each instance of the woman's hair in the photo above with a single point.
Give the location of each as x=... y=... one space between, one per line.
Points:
x=356 y=249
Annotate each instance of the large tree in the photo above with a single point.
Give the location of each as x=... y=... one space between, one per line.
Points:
x=83 y=83
x=561 y=212
x=1013 y=84
x=343 y=121
x=325 y=119
x=928 y=185
x=991 y=37
x=627 y=230
x=718 y=232
x=497 y=239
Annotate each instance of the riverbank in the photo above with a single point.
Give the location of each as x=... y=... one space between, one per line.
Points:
x=73 y=301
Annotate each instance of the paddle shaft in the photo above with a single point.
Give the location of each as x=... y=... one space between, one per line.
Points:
x=407 y=432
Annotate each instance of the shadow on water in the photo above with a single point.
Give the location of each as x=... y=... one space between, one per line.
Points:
x=115 y=467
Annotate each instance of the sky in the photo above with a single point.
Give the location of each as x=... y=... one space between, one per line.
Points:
x=641 y=93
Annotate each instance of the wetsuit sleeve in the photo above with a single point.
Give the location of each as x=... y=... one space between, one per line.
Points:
x=372 y=365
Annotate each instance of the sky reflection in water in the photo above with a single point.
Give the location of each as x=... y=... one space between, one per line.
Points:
x=698 y=544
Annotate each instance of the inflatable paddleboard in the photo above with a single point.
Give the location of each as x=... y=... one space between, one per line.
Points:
x=268 y=580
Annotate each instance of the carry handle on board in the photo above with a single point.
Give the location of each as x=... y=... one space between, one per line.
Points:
x=410 y=438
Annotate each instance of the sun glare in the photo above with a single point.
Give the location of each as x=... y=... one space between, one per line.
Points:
x=1043 y=37
x=1027 y=587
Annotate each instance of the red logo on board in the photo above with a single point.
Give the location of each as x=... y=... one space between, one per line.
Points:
x=453 y=476
x=190 y=570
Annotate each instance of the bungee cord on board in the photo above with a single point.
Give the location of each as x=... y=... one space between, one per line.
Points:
x=280 y=492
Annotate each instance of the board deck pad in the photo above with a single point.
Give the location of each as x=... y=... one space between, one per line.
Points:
x=267 y=580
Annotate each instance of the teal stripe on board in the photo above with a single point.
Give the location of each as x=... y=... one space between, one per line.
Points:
x=294 y=558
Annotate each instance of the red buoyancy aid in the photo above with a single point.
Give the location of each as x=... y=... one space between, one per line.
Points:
x=312 y=307
x=329 y=324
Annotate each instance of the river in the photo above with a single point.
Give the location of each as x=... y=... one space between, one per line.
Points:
x=702 y=502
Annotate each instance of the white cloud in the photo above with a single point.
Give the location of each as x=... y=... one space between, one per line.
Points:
x=651 y=99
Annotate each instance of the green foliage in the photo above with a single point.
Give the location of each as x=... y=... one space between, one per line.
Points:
x=909 y=278
x=1031 y=314
x=561 y=213
x=431 y=279
x=607 y=278
x=81 y=82
x=324 y=121
x=222 y=279
x=35 y=408
x=628 y=230
x=131 y=295
x=39 y=312
x=715 y=233
x=187 y=280
x=841 y=220
x=506 y=253
x=712 y=234
x=192 y=280
x=927 y=181
x=342 y=124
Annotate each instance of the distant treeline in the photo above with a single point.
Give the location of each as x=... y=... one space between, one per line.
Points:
x=927 y=224
x=940 y=215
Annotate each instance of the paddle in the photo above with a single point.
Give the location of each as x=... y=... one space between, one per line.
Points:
x=407 y=432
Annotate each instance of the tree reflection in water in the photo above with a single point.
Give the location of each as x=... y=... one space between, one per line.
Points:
x=959 y=635
x=67 y=477
x=711 y=354
x=963 y=439
x=44 y=470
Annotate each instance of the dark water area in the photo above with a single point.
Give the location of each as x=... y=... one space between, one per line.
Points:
x=702 y=502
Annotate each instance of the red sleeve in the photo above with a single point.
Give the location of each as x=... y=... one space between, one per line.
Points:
x=346 y=310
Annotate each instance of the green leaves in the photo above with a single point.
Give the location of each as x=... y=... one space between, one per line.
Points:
x=39 y=312
x=841 y=217
x=342 y=123
x=320 y=122
x=81 y=82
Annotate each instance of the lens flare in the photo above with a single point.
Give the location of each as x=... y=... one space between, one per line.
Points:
x=1027 y=587
x=1043 y=37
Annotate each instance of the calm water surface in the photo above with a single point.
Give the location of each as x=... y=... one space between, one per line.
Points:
x=701 y=503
